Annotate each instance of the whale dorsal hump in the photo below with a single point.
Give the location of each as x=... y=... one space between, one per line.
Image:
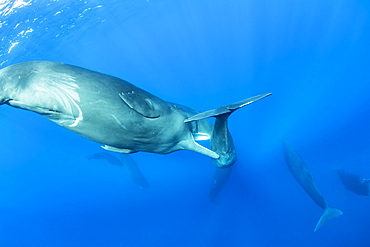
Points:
x=141 y=104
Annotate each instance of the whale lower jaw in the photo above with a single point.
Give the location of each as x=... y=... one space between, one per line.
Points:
x=196 y=147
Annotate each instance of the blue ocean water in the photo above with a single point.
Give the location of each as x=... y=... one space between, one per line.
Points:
x=313 y=56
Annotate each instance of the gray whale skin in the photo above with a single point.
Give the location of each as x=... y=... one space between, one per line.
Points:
x=114 y=112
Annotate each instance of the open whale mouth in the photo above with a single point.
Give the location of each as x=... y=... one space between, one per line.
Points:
x=5 y=101
x=61 y=117
x=51 y=113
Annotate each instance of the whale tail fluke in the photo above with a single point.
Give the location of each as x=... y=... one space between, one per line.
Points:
x=329 y=213
x=221 y=141
x=226 y=109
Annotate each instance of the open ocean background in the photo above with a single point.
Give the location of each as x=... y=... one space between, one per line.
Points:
x=314 y=56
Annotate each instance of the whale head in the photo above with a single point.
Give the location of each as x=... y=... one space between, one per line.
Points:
x=53 y=95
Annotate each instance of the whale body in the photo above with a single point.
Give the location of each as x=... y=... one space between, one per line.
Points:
x=300 y=172
x=113 y=112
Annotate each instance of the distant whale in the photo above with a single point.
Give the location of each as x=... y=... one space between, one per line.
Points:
x=354 y=183
x=105 y=156
x=114 y=112
x=219 y=180
x=127 y=161
x=300 y=172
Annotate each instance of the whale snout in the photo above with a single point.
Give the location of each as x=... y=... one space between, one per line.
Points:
x=4 y=100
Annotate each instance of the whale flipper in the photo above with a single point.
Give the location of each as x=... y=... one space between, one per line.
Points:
x=329 y=213
x=119 y=150
x=142 y=105
x=226 y=109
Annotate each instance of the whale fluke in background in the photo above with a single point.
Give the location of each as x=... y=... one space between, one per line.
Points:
x=354 y=183
x=219 y=181
x=303 y=176
x=105 y=156
x=134 y=170
x=127 y=161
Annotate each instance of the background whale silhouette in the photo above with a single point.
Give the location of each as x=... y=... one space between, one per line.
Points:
x=126 y=161
x=354 y=183
x=301 y=173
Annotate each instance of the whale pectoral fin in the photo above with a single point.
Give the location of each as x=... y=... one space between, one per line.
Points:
x=119 y=150
x=142 y=105
x=226 y=109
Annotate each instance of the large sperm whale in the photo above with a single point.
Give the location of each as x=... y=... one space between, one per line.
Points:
x=303 y=176
x=114 y=112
